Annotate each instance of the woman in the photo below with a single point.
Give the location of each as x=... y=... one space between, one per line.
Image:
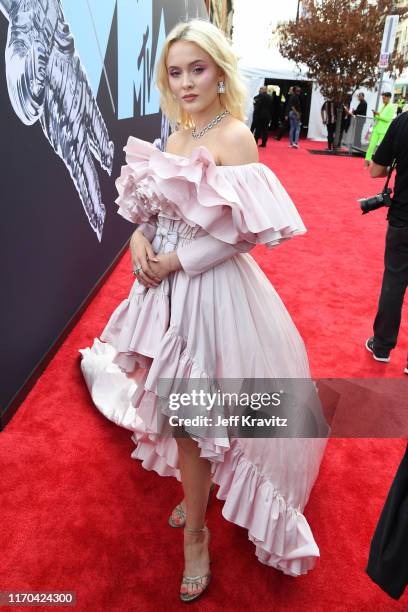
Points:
x=329 y=117
x=201 y=309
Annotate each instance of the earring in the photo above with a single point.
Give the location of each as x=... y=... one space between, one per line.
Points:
x=221 y=87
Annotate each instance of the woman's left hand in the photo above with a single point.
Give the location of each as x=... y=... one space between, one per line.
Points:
x=166 y=264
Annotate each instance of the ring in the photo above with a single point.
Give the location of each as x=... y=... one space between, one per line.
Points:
x=137 y=270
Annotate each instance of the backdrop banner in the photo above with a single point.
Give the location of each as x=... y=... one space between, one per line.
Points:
x=76 y=79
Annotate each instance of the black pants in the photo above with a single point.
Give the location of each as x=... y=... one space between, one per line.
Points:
x=262 y=129
x=331 y=128
x=388 y=560
x=253 y=124
x=283 y=129
x=358 y=133
x=395 y=281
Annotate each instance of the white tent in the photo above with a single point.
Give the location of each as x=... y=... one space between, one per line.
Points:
x=273 y=65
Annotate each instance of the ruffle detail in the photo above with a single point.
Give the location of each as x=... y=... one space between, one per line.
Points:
x=174 y=364
x=111 y=390
x=137 y=327
x=281 y=533
x=245 y=203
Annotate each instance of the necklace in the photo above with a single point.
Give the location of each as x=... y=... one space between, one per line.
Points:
x=216 y=120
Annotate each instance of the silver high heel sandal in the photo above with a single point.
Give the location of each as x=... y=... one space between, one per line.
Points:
x=200 y=581
x=178 y=517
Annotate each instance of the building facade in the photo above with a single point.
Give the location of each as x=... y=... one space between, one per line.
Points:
x=401 y=40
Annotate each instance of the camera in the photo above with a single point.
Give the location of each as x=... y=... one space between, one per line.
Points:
x=377 y=201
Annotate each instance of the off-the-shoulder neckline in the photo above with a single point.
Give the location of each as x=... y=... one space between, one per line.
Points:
x=188 y=159
x=212 y=157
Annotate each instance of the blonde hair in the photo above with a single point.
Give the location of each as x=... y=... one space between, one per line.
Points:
x=209 y=38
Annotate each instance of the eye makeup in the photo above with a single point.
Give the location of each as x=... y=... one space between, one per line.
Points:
x=197 y=64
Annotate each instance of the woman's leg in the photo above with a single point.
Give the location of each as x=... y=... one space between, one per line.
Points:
x=196 y=480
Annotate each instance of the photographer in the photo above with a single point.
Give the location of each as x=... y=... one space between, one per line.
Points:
x=394 y=146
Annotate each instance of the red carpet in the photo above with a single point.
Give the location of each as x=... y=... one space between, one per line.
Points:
x=78 y=514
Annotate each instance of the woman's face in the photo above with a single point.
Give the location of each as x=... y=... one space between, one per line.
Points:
x=192 y=72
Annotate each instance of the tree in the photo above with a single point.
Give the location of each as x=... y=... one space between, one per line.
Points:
x=340 y=41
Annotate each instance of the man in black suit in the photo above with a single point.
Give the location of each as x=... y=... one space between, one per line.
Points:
x=263 y=114
x=359 y=112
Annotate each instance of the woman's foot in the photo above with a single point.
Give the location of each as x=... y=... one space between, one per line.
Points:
x=178 y=517
x=197 y=575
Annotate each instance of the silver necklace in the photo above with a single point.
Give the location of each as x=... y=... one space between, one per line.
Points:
x=216 y=120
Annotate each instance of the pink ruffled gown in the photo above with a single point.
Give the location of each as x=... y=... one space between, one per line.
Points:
x=217 y=318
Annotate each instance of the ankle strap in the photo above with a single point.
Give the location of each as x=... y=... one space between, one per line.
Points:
x=189 y=530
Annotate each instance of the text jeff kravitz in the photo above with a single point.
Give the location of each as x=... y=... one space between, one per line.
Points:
x=230 y=421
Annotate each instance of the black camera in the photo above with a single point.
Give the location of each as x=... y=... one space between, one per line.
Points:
x=377 y=201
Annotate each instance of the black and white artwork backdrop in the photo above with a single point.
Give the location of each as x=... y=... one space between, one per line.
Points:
x=47 y=83
x=76 y=79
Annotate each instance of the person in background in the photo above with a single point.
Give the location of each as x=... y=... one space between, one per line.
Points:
x=276 y=110
x=328 y=112
x=402 y=104
x=255 y=101
x=394 y=146
x=284 y=120
x=388 y=560
x=345 y=120
x=359 y=111
x=382 y=121
x=294 y=115
x=263 y=110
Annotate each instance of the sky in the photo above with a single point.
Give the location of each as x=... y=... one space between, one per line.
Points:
x=254 y=20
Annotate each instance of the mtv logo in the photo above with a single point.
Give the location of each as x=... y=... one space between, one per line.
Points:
x=91 y=22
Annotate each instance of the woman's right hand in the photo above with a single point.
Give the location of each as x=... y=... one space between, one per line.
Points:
x=141 y=253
